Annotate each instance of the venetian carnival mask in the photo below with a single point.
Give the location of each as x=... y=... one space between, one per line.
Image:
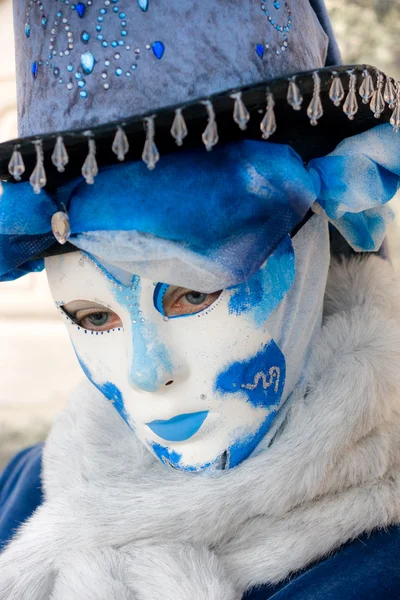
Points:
x=198 y=377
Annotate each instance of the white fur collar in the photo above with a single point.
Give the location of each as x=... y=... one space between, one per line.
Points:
x=116 y=523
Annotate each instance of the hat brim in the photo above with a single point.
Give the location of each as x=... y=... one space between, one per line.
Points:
x=293 y=126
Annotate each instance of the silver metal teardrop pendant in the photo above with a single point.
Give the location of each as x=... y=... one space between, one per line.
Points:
x=90 y=169
x=336 y=91
x=179 y=130
x=210 y=135
x=59 y=157
x=60 y=227
x=241 y=115
x=16 y=166
x=315 y=109
x=120 y=145
x=268 y=124
x=294 y=97
x=150 y=154
x=38 y=178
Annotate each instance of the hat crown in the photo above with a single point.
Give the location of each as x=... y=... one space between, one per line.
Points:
x=84 y=64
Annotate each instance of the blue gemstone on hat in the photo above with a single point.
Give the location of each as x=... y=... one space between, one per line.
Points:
x=118 y=71
x=27 y=30
x=260 y=50
x=87 y=62
x=81 y=9
x=85 y=37
x=83 y=94
x=144 y=4
x=35 y=66
x=158 y=49
x=44 y=22
x=277 y=5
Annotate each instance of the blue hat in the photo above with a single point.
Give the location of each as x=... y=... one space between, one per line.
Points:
x=103 y=81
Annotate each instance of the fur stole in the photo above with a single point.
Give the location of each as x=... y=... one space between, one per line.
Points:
x=117 y=524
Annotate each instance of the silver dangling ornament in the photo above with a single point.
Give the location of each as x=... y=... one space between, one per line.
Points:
x=210 y=135
x=16 y=166
x=315 y=109
x=150 y=154
x=59 y=157
x=241 y=115
x=294 y=97
x=350 y=106
x=389 y=93
x=268 y=124
x=395 y=118
x=60 y=226
x=367 y=87
x=336 y=91
x=38 y=178
x=179 y=130
x=120 y=145
x=377 y=104
x=90 y=169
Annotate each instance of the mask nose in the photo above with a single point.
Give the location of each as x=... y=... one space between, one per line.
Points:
x=151 y=367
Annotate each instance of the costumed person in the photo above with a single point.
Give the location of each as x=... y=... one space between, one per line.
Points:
x=240 y=422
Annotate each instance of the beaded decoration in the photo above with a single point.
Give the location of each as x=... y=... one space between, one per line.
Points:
x=62 y=42
x=271 y=9
x=123 y=57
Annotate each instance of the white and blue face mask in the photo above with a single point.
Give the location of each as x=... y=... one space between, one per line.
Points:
x=199 y=378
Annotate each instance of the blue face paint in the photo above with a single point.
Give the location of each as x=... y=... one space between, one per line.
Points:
x=235 y=453
x=261 y=294
x=243 y=447
x=170 y=457
x=261 y=378
x=179 y=428
x=150 y=360
x=109 y=390
x=158 y=297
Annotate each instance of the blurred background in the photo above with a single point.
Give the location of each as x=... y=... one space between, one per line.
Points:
x=37 y=364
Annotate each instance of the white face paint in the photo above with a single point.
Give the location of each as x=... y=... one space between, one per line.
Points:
x=200 y=390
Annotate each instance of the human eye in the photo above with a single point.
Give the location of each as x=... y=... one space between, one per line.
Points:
x=173 y=301
x=92 y=316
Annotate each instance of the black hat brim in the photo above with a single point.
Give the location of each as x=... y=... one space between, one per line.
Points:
x=293 y=126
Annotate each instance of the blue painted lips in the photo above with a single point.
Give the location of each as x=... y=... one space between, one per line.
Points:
x=180 y=428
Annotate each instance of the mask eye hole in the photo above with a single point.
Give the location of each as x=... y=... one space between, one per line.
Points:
x=172 y=301
x=92 y=316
